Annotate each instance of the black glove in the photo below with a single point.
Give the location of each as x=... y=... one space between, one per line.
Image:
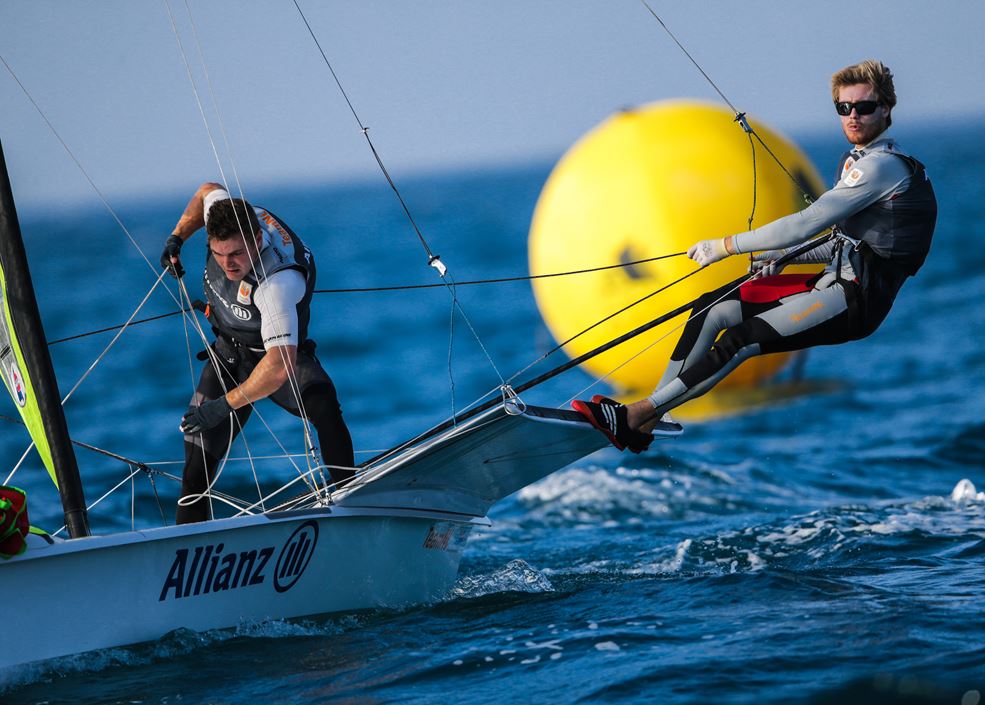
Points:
x=209 y=415
x=172 y=248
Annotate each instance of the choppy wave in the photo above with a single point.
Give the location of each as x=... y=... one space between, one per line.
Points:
x=515 y=576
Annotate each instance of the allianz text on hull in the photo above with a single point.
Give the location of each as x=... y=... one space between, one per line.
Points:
x=136 y=587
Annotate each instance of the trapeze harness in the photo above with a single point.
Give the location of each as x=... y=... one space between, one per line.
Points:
x=883 y=211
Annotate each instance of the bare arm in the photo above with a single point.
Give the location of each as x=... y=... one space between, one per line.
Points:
x=267 y=377
x=194 y=216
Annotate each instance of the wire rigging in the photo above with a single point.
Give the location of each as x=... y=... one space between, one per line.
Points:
x=407 y=287
x=434 y=260
x=740 y=117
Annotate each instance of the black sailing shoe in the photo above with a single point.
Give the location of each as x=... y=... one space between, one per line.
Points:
x=611 y=418
x=666 y=427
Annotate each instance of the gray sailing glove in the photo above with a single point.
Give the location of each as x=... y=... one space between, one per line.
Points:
x=172 y=251
x=765 y=262
x=208 y=415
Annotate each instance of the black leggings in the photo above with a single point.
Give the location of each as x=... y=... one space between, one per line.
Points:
x=204 y=452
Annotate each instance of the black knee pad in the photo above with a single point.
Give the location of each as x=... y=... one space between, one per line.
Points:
x=750 y=332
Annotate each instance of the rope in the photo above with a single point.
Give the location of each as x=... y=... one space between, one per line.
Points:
x=91 y=367
x=408 y=287
x=434 y=260
x=502 y=279
x=740 y=117
x=529 y=384
x=365 y=131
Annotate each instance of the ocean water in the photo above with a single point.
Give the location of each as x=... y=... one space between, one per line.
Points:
x=828 y=549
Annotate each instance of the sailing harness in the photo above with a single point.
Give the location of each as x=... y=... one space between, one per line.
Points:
x=886 y=242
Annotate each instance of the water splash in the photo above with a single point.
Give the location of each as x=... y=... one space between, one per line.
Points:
x=515 y=576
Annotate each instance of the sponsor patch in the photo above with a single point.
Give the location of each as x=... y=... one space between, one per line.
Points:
x=243 y=295
x=212 y=568
x=854 y=176
x=17 y=385
x=446 y=536
x=242 y=314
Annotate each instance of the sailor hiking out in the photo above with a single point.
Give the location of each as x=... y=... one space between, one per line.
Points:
x=882 y=211
x=259 y=278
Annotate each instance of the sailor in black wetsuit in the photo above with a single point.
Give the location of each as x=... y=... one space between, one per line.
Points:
x=883 y=211
x=259 y=289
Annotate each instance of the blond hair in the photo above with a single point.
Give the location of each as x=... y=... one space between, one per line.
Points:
x=875 y=73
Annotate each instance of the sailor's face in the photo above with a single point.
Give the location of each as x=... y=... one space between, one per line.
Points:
x=236 y=256
x=862 y=129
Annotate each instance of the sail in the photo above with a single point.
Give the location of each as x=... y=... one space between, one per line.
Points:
x=18 y=383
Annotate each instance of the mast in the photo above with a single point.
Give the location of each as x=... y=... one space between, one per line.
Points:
x=34 y=347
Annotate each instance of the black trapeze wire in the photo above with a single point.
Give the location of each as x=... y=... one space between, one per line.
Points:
x=574 y=362
x=409 y=287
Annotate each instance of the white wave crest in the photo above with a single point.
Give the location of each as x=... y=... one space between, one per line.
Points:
x=515 y=576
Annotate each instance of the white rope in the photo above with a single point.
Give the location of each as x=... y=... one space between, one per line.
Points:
x=92 y=366
x=292 y=376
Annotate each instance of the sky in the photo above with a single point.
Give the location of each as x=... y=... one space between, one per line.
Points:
x=441 y=84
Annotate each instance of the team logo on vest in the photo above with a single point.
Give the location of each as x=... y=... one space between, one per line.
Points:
x=853 y=177
x=243 y=314
x=295 y=556
x=17 y=385
x=243 y=295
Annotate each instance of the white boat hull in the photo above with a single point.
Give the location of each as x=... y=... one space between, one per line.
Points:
x=132 y=588
x=393 y=537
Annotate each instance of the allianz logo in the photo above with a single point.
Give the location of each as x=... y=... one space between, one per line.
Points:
x=210 y=568
x=243 y=314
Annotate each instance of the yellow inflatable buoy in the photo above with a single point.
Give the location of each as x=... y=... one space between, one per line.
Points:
x=648 y=182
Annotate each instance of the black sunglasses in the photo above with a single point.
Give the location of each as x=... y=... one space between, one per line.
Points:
x=863 y=107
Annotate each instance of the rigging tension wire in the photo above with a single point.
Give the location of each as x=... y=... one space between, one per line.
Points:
x=409 y=287
x=740 y=117
x=574 y=362
x=433 y=259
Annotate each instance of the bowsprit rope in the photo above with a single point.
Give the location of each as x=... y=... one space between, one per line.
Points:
x=740 y=117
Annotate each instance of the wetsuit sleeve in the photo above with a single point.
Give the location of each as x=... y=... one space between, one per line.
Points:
x=220 y=194
x=277 y=298
x=873 y=178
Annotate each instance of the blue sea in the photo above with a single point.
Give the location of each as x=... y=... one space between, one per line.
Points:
x=827 y=549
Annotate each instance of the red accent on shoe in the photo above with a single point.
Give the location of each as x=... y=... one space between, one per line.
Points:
x=582 y=408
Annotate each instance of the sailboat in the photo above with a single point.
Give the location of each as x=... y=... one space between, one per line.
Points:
x=393 y=537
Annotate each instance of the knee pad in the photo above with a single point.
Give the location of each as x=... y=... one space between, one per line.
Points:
x=750 y=332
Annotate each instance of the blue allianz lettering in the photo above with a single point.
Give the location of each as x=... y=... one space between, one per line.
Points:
x=209 y=570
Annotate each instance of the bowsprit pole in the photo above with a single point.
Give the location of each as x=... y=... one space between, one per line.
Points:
x=574 y=362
